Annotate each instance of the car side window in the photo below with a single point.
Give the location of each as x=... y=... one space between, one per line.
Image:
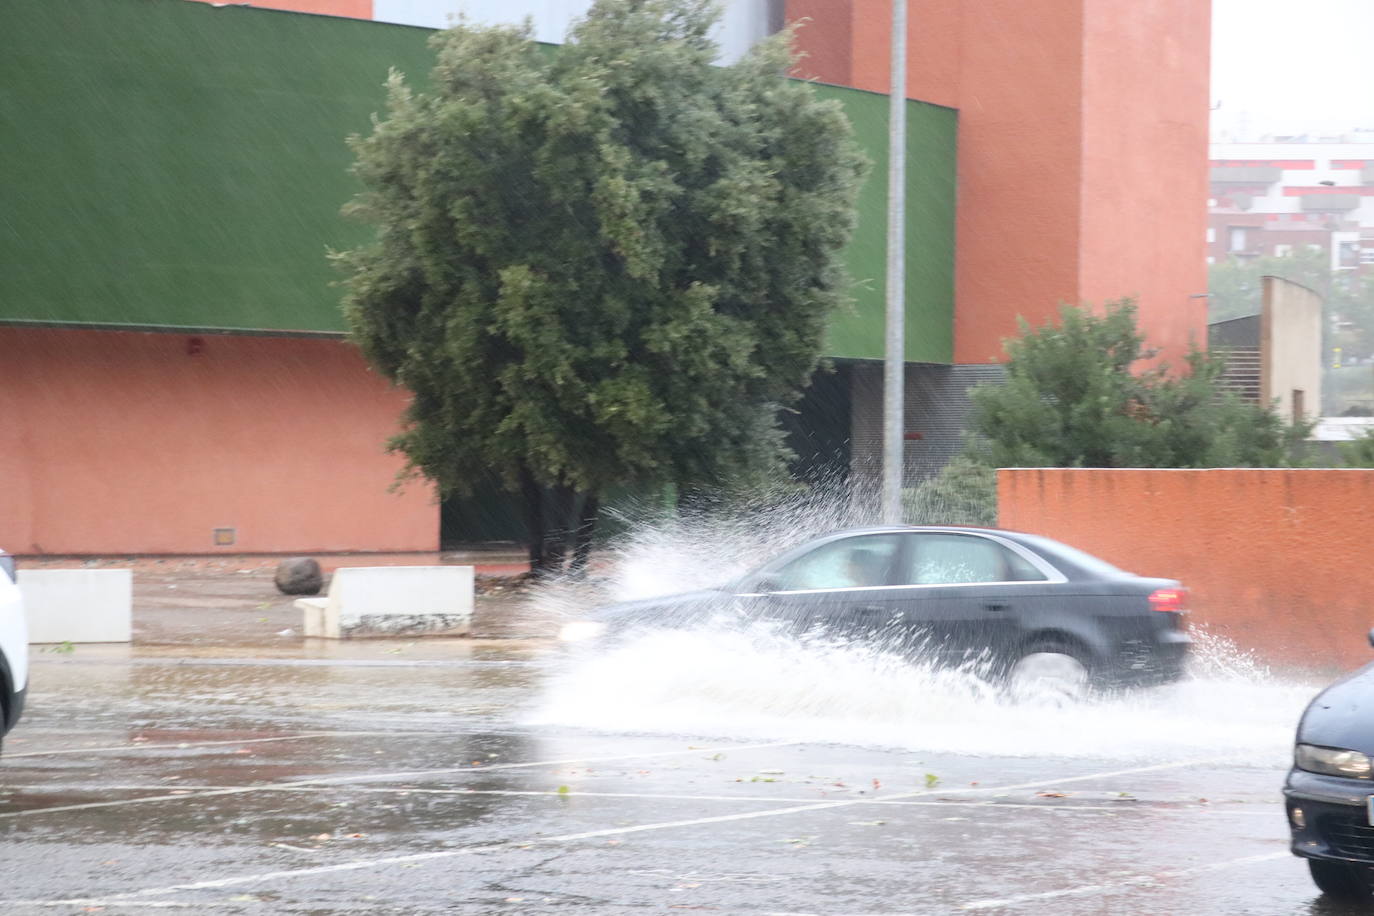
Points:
x=855 y=562
x=960 y=559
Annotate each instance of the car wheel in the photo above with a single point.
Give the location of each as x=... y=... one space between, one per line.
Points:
x=1338 y=880
x=1048 y=674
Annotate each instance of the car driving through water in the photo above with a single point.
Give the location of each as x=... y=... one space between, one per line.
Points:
x=1020 y=609
x=1330 y=788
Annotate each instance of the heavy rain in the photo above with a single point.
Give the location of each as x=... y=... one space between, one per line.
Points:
x=774 y=457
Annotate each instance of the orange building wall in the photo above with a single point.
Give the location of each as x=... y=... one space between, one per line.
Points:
x=1082 y=149
x=353 y=9
x=1277 y=560
x=1144 y=206
x=120 y=443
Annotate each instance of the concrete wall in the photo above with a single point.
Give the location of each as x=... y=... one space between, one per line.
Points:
x=1082 y=149
x=1277 y=560
x=1291 y=347
x=120 y=442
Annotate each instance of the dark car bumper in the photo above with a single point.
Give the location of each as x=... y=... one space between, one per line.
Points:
x=1334 y=821
x=1143 y=663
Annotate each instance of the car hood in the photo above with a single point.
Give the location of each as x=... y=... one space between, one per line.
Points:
x=1342 y=715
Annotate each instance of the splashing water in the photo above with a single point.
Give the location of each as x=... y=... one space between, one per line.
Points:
x=753 y=683
x=727 y=680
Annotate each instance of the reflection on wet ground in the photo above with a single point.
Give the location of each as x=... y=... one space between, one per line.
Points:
x=416 y=781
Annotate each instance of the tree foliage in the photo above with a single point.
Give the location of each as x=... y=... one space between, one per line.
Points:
x=602 y=264
x=1358 y=452
x=1234 y=289
x=1076 y=396
x=963 y=493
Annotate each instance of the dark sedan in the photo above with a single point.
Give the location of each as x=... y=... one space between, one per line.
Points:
x=1330 y=789
x=1019 y=608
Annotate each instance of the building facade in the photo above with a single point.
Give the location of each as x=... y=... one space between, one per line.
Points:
x=174 y=375
x=1273 y=198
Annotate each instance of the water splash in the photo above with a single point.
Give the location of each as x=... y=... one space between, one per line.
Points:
x=753 y=683
x=749 y=681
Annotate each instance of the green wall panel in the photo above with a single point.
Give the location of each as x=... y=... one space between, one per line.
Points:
x=173 y=164
x=930 y=201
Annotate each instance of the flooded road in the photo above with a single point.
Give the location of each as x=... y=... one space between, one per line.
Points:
x=492 y=777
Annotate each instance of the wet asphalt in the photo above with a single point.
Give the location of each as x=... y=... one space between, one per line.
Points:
x=380 y=777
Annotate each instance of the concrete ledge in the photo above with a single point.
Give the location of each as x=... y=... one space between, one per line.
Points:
x=78 y=605
x=392 y=601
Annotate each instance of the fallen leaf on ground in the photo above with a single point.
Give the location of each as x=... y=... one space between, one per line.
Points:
x=1052 y=794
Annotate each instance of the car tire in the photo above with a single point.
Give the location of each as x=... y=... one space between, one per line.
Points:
x=1049 y=674
x=1338 y=880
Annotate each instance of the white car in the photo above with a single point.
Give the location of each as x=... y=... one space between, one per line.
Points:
x=14 y=647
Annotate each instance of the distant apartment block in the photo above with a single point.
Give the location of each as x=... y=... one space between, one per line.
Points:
x=1275 y=198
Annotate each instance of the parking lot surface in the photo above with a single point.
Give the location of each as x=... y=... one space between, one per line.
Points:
x=491 y=777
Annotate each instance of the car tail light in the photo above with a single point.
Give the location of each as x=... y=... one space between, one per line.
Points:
x=1173 y=600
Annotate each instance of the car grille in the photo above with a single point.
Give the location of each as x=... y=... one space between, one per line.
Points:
x=1349 y=837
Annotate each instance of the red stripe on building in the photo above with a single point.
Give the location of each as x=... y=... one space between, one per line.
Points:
x=1304 y=192
x=1349 y=163
x=1265 y=163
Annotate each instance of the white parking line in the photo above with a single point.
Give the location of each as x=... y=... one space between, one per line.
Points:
x=412 y=858
x=181 y=745
x=1124 y=884
x=403 y=774
x=1116 y=807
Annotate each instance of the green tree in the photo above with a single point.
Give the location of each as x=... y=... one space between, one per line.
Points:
x=602 y=265
x=1076 y=396
x=963 y=493
x=1358 y=452
x=1234 y=288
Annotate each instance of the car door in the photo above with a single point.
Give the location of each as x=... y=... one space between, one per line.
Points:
x=840 y=589
x=962 y=593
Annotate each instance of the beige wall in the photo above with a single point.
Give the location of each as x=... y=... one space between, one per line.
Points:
x=1291 y=344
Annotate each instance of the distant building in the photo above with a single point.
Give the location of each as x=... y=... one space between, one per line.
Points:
x=1288 y=193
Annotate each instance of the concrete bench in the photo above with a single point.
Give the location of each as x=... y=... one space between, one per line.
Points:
x=78 y=605
x=392 y=601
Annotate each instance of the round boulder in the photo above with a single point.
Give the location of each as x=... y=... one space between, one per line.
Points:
x=299 y=576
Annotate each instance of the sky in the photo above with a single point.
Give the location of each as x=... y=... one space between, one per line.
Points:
x=1291 y=66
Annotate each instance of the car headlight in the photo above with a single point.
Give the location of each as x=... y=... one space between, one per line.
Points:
x=1332 y=761
x=581 y=630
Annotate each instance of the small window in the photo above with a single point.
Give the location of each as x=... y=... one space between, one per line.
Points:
x=856 y=562
x=1211 y=234
x=1282 y=251
x=960 y=559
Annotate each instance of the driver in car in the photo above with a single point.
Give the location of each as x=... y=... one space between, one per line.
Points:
x=865 y=568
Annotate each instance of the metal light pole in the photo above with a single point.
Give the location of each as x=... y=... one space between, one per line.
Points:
x=894 y=364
